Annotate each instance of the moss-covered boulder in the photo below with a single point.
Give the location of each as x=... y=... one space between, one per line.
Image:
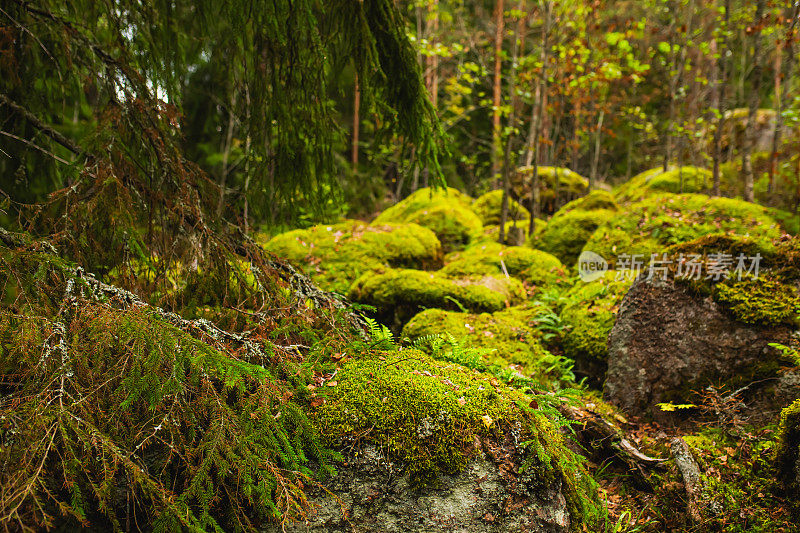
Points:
x=787 y=453
x=509 y=337
x=590 y=313
x=446 y=212
x=399 y=294
x=670 y=341
x=430 y=421
x=657 y=222
x=488 y=207
x=490 y=258
x=335 y=255
x=516 y=233
x=676 y=180
x=569 y=230
x=595 y=200
x=557 y=186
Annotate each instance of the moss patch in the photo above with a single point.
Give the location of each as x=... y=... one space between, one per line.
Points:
x=488 y=207
x=590 y=315
x=445 y=212
x=336 y=255
x=510 y=333
x=534 y=266
x=592 y=201
x=759 y=301
x=568 y=231
x=675 y=180
x=787 y=453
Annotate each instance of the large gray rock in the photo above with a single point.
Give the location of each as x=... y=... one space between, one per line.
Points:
x=369 y=494
x=667 y=342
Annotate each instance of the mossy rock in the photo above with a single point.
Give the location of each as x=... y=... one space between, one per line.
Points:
x=399 y=294
x=516 y=233
x=534 y=266
x=568 y=231
x=763 y=300
x=488 y=207
x=335 y=255
x=658 y=222
x=733 y=245
x=655 y=181
x=787 y=453
x=597 y=199
x=446 y=212
x=509 y=334
x=431 y=417
x=590 y=314
x=570 y=185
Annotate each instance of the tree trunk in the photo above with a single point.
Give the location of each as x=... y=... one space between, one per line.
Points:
x=498 y=50
x=541 y=88
x=783 y=71
x=750 y=130
x=356 y=123
x=596 y=158
x=720 y=75
x=507 y=163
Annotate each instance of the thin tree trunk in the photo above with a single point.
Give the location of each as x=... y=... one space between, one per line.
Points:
x=542 y=87
x=783 y=71
x=596 y=159
x=356 y=123
x=507 y=163
x=750 y=131
x=226 y=152
x=247 y=161
x=498 y=50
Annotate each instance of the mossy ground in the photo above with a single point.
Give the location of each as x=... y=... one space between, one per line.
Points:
x=335 y=255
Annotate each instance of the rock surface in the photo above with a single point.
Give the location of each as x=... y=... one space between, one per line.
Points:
x=372 y=495
x=667 y=342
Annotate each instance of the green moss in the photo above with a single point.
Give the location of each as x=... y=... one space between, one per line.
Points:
x=405 y=292
x=445 y=212
x=534 y=266
x=429 y=416
x=787 y=453
x=567 y=232
x=570 y=185
x=590 y=314
x=592 y=201
x=509 y=333
x=336 y=255
x=675 y=180
x=737 y=474
x=654 y=224
x=488 y=208
x=759 y=301
x=492 y=233
x=725 y=244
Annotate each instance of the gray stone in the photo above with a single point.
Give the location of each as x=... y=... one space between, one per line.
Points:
x=370 y=494
x=667 y=342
